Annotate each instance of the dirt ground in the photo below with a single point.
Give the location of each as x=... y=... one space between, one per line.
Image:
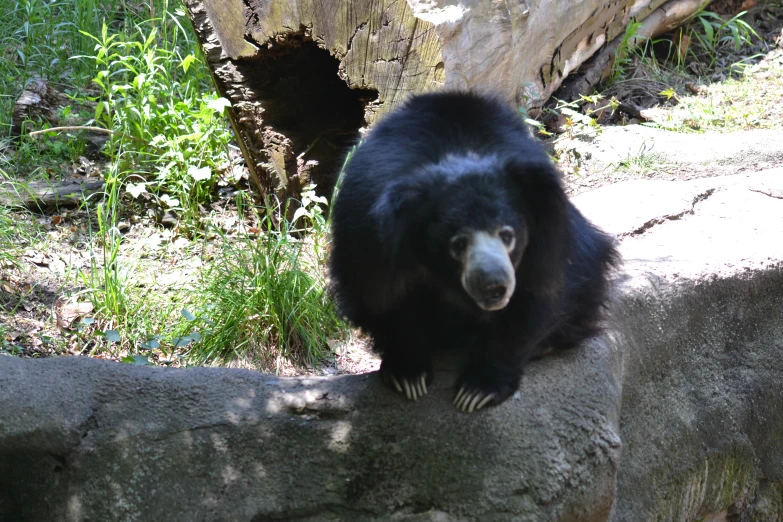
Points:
x=699 y=123
x=721 y=106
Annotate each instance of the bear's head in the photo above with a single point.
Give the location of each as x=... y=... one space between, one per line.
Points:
x=478 y=225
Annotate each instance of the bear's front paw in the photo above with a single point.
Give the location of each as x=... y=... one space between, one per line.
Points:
x=409 y=382
x=412 y=388
x=475 y=392
x=469 y=399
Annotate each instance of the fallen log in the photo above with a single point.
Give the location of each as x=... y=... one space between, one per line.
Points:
x=46 y=194
x=598 y=68
x=39 y=100
x=303 y=75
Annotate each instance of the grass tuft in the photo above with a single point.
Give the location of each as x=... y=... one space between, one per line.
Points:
x=264 y=297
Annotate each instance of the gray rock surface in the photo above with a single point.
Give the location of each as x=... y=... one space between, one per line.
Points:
x=624 y=152
x=689 y=377
x=702 y=325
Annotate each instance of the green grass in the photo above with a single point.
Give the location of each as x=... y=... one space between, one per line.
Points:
x=134 y=68
x=716 y=32
x=260 y=297
x=139 y=65
x=17 y=228
x=712 y=53
x=9 y=244
x=263 y=298
x=753 y=101
x=39 y=37
x=642 y=161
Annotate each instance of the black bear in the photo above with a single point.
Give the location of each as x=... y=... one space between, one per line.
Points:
x=451 y=229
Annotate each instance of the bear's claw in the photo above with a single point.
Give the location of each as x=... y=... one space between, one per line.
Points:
x=412 y=390
x=470 y=400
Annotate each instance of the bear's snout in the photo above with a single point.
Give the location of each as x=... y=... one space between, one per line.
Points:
x=488 y=275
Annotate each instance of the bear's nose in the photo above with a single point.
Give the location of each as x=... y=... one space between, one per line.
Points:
x=495 y=292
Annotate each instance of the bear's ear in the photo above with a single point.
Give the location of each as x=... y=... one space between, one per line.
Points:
x=398 y=212
x=544 y=205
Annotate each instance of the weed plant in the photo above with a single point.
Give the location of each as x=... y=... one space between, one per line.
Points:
x=143 y=72
x=264 y=298
x=709 y=36
x=15 y=233
x=668 y=68
x=718 y=32
x=38 y=38
x=107 y=279
x=171 y=136
x=260 y=299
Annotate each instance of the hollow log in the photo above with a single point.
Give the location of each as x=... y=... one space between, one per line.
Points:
x=304 y=75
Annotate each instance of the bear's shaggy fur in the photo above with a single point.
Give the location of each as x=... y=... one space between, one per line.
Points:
x=451 y=229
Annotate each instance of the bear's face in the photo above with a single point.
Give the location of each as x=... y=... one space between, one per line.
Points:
x=459 y=219
x=475 y=239
x=487 y=270
x=473 y=236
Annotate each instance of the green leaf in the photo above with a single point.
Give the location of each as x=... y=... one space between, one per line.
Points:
x=179 y=342
x=151 y=37
x=169 y=201
x=200 y=174
x=737 y=38
x=113 y=336
x=708 y=31
x=219 y=105
x=141 y=360
x=187 y=61
x=187 y=314
x=136 y=189
x=150 y=344
x=576 y=116
x=710 y=14
x=139 y=80
x=99 y=110
x=301 y=211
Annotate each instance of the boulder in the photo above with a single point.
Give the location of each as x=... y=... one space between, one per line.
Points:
x=700 y=316
x=674 y=414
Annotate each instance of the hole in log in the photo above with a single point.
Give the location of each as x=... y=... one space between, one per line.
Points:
x=305 y=100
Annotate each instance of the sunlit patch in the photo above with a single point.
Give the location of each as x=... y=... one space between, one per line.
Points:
x=339 y=438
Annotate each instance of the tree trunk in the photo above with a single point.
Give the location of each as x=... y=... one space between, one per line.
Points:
x=304 y=75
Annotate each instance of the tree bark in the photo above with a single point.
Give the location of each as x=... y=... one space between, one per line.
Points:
x=304 y=75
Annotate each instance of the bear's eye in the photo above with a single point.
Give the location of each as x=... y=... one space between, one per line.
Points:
x=458 y=246
x=506 y=235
